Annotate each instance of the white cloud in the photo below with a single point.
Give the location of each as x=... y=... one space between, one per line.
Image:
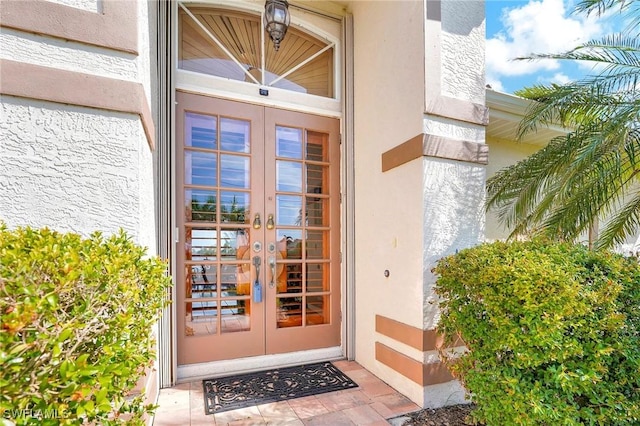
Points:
x=543 y=26
x=560 y=78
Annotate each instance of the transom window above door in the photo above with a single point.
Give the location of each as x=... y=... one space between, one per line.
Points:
x=235 y=46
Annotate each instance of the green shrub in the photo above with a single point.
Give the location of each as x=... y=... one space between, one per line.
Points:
x=553 y=332
x=76 y=331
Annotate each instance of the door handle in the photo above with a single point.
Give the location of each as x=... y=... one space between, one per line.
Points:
x=270 y=224
x=257 y=287
x=272 y=266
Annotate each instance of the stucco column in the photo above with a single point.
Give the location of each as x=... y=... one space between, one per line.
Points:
x=455 y=153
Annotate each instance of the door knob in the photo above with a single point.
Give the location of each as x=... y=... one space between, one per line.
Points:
x=257 y=223
x=270 y=224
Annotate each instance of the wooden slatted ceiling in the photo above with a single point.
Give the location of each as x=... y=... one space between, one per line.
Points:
x=240 y=34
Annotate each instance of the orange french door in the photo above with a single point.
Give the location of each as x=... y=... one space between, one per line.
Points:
x=258 y=217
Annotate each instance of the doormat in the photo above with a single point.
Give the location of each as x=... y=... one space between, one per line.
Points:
x=245 y=390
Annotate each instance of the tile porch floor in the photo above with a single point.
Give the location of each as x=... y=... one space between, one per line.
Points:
x=371 y=403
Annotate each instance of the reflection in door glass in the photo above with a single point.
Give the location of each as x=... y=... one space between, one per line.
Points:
x=317 y=245
x=317 y=277
x=234 y=171
x=200 y=168
x=201 y=243
x=317 y=211
x=235 y=315
x=316 y=175
x=200 y=131
x=288 y=210
x=317 y=309
x=288 y=176
x=202 y=280
x=288 y=142
x=316 y=146
x=200 y=205
x=234 y=135
x=289 y=311
x=234 y=207
x=202 y=318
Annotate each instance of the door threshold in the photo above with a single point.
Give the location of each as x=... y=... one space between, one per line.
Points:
x=205 y=370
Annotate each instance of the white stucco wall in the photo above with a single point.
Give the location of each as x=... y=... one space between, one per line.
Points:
x=462 y=51
x=73 y=168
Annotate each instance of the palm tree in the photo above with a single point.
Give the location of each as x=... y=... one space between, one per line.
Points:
x=591 y=174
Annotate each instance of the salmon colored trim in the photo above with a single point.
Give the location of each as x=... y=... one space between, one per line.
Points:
x=459 y=109
x=403 y=153
x=435 y=146
x=417 y=372
x=115 y=28
x=74 y=88
x=422 y=340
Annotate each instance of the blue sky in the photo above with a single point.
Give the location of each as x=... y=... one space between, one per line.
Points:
x=521 y=27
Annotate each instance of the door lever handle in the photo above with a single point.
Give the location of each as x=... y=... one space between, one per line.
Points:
x=257 y=287
x=272 y=265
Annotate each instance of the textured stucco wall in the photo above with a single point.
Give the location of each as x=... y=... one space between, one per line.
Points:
x=74 y=168
x=462 y=51
x=453 y=191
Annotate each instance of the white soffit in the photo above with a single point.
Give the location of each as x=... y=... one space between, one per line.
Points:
x=505 y=113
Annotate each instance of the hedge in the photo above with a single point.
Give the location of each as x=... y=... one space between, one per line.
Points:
x=552 y=332
x=77 y=322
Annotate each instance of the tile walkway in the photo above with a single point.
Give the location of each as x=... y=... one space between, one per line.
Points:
x=372 y=403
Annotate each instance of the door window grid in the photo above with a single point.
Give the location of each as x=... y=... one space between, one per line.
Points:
x=302 y=206
x=217 y=288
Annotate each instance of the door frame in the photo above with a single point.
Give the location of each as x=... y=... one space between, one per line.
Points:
x=170 y=372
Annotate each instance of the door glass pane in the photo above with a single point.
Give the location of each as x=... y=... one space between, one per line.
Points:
x=200 y=168
x=292 y=279
x=288 y=176
x=235 y=315
x=202 y=318
x=289 y=311
x=288 y=210
x=315 y=179
x=317 y=311
x=290 y=240
x=289 y=142
x=234 y=171
x=234 y=207
x=317 y=245
x=201 y=244
x=317 y=277
x=202 y=280
x=317 y=211
x=316 y=146
x=234 y=244
x=200 y=131
x=234 y=135
x=200 y=205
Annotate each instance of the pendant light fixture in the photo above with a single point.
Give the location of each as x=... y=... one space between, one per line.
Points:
x=276 y=20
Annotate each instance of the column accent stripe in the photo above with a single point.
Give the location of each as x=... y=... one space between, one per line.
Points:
x=115 y=28
x=417 y=372
x=68 y=87
x=458 y=109
x=435 y=146
x=422 y=340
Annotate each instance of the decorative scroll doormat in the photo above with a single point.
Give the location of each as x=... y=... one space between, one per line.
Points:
x=245 y=390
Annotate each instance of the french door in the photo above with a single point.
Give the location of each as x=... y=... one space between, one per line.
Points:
x=258 y=211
